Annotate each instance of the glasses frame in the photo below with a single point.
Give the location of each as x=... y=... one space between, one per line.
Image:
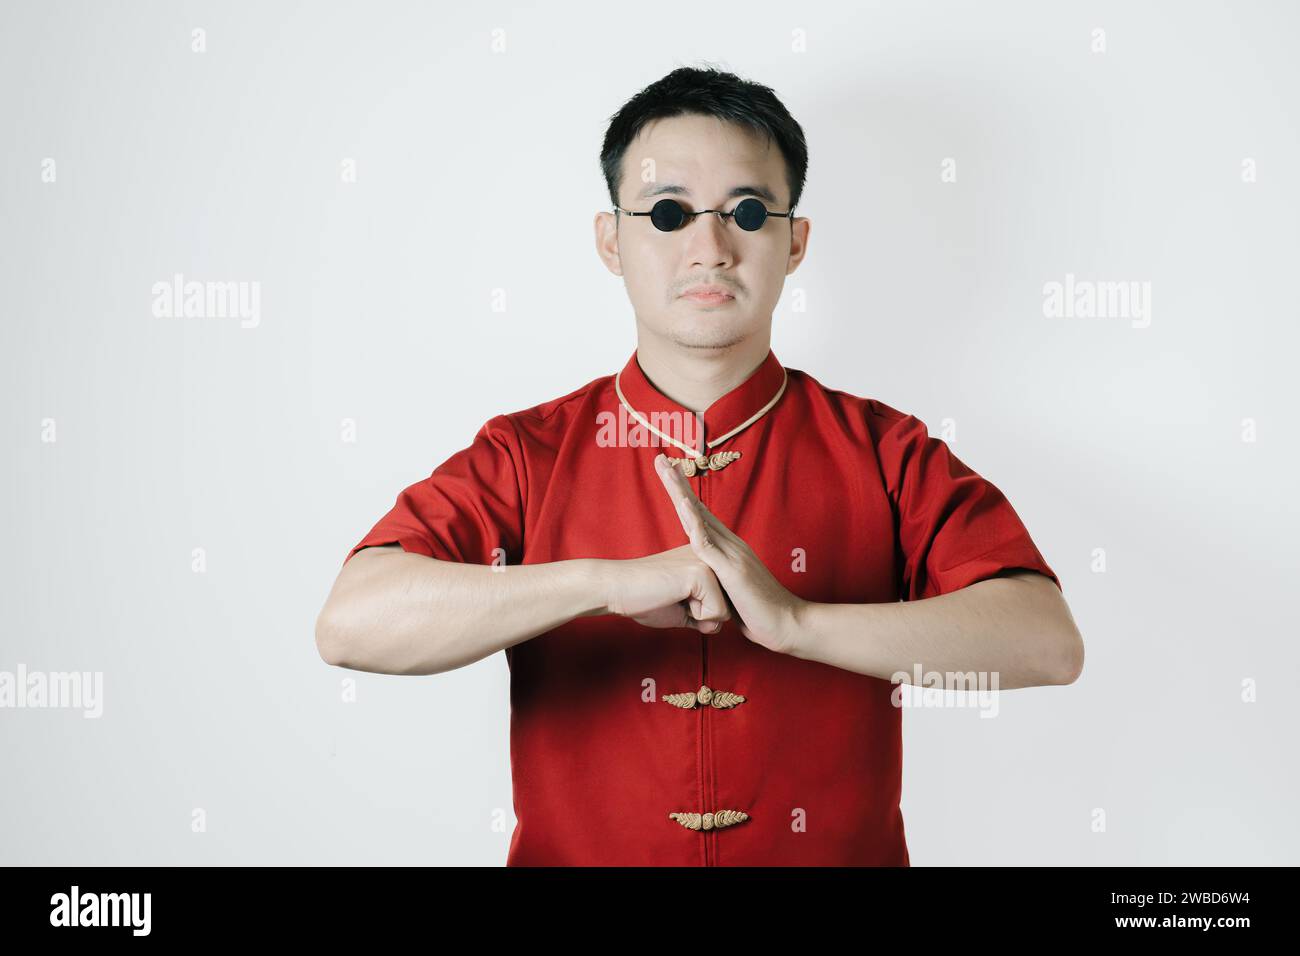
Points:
x=688 y=217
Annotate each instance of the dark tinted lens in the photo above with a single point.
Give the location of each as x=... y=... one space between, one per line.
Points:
x=666 y=215
x=750 y=214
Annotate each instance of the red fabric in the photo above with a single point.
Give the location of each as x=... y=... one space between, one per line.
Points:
x=845 y=500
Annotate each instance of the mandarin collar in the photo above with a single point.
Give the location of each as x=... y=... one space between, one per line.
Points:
x=728 y=414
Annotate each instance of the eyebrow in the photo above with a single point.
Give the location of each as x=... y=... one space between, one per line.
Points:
x=672 y=189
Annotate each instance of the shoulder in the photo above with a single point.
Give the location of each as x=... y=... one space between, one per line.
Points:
x=875 y=418
x=554 y=417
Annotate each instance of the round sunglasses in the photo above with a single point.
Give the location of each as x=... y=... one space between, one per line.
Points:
x=668 y=215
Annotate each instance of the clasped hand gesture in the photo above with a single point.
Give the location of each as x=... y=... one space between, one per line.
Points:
x=708 y=581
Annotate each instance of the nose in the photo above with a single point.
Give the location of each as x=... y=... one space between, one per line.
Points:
x=708 y=242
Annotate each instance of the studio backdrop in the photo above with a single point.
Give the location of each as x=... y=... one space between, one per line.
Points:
x=1063 y=235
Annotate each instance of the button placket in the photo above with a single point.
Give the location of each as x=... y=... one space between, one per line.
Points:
x=697 y=464
x=707 y=699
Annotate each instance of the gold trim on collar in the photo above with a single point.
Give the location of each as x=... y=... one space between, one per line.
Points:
x=698 y=461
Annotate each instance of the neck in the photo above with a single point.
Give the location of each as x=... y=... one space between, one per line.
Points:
x=697 y=377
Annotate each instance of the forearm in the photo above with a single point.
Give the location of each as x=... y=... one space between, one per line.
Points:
x=1014 y=627
x=402 y=613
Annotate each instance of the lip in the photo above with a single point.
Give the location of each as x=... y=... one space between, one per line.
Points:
x=708 y=294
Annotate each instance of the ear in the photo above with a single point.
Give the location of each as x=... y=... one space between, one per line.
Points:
x=799 y=228
x=606 y=228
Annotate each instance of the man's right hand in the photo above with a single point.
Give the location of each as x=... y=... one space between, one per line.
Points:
x=670 y=589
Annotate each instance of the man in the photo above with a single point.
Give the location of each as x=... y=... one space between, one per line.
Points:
x=706 y=570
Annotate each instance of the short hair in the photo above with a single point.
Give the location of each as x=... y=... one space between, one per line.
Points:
x=706 y=92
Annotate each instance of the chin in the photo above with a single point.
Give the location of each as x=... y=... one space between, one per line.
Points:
x=700 y=335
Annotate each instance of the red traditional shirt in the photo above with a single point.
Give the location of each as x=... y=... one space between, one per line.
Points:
x=843 y=498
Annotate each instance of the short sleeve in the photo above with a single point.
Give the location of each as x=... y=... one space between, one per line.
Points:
x=954 y=527
x=471 y=505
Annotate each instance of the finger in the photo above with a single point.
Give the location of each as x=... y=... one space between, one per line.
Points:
x=708 y=600
x=692 y=613
x=674 y=482
x=705 y=615
x=679 y=489
x=714 y=524
x=701 y=540
x=705 y=625
x=718 y=549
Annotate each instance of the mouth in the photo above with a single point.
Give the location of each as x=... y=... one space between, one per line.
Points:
x=710 y=295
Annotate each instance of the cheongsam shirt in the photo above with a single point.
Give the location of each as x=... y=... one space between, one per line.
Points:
x=843 y=498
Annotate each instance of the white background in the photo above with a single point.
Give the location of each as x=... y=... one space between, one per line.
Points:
x=478 y=170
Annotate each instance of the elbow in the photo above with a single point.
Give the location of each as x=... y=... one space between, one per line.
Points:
x=329 y=641
x=1068 y=663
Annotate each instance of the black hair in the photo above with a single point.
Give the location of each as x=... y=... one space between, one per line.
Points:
x=706 y=92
